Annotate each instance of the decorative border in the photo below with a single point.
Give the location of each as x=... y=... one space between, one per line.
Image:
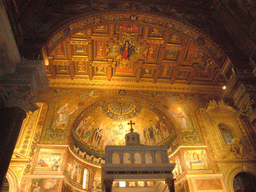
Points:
x=123 y=83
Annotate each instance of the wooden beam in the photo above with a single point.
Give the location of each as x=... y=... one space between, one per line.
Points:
x=109 y=69
x=90 y=70
x=138 y=71
x=71 y=64
x=174 y=74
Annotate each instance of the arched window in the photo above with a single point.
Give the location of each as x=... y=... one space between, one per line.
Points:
x=244 y=182
x=148 y=158
x=159 y=158
x=127 y=158
x=115 y=158
x=226 y=132
x=137 y=158
x=86 y=179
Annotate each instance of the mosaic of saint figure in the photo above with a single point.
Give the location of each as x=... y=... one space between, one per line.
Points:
x=97 y=136
x=182 y=118
x=82 y=127
x=64 y=113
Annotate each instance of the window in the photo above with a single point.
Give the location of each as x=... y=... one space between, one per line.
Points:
x=127 y=158
x=86 y=179
x=115 y=158
x=137 y=158
x=148 y=158
x=159 y=158
x=226 y=132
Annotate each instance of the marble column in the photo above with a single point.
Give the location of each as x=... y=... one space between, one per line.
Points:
x=170 y=184
x=108 y=184
x=11 y=119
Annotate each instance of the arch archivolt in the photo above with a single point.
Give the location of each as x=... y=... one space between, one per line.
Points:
x=12 y=180
x=217 y=117
x=232 y=171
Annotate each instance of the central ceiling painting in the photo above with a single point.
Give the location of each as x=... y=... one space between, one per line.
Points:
x=106 y=123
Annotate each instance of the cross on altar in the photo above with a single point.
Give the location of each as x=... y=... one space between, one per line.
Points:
x=131 y=123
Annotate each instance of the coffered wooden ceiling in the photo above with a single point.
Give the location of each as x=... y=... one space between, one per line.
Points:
x=133 y=47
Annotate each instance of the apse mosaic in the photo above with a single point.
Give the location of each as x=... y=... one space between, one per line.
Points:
x=95 y=118
x=107 y=123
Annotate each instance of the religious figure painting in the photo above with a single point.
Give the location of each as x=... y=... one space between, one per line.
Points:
x=190 y=54
x=157 y=132
x=178 y=169
x=196 y=160
x=49 y=160
x=88 y=95
x=60 y=49
x=93 y=135
x=63 y=116
x=152 y=52
x=43 y=185
x=100 y=49
x=74 y=170
x=183 y=119
x=126 y=50
x=96 y=184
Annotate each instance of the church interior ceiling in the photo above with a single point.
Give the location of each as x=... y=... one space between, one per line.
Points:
x=108 y=62
x=34 y=23
x=133 y=48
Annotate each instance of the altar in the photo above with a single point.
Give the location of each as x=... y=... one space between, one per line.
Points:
x=136 y=167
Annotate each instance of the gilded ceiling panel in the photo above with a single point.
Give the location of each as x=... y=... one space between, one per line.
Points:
x=133 y=46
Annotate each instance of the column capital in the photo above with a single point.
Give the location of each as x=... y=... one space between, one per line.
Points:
x=20 y=88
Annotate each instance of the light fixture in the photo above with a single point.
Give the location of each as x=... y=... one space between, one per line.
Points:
x=224 y=87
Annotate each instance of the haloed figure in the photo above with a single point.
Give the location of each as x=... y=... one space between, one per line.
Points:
x=126 y=50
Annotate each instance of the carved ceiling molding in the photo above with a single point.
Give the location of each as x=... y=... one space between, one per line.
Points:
x=133 y=85
x=136 y=18
x=136 y=46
